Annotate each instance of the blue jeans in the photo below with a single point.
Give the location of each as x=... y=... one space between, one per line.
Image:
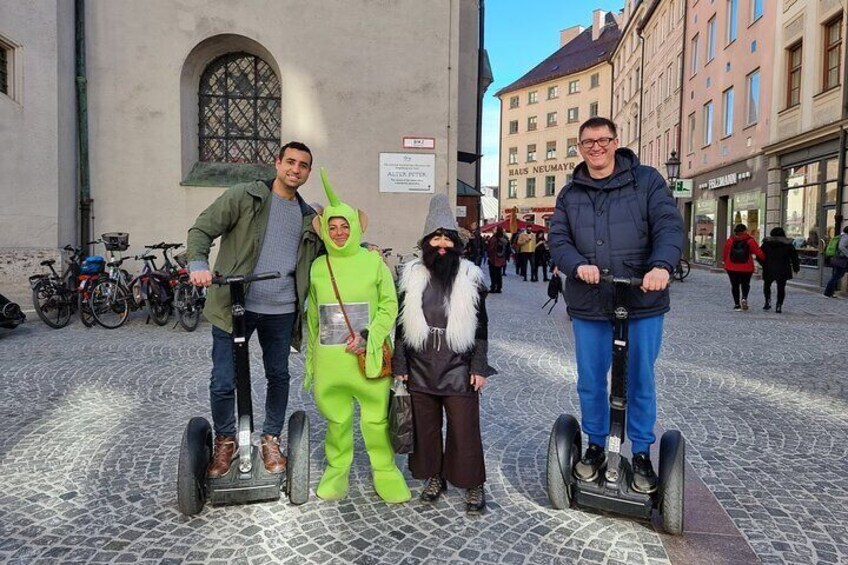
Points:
x=593 y=348
x=835 y=277
x=275 y=334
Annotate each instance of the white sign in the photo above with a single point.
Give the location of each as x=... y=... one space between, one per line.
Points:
x=407 y=172
x=461 y=211
x=419 y=142
x=682 y=188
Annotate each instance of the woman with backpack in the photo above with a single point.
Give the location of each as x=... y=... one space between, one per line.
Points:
x=497 y=250
x=739 y=252
x=780 y=262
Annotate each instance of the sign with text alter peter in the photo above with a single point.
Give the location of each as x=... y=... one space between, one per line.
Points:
x=407 y=172
x=682 y=188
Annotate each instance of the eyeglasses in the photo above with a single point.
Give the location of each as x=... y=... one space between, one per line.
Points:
x=601 y=141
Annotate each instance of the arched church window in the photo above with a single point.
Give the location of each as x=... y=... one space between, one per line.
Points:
x=239 y=107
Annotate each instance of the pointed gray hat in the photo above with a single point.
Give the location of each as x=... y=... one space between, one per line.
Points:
x=440 y=216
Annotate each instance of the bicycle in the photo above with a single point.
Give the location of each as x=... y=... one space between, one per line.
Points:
x=56 y=297
x=111 y=297
x=188 y=299
x=681 y=271
x=159 y=284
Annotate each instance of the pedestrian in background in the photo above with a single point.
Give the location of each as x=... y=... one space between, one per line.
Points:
x=497 y=251
x=839 y=264
x=780 y=262
x=541 y=257
x=526 y=243
x=739 y=252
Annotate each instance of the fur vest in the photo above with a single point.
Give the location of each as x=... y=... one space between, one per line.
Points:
x=460 y=307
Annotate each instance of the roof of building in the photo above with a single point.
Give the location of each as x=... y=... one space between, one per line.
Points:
x=577 y=55
x=465 y=189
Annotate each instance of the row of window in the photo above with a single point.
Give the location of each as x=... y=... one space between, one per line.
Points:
x=553 y=91
x=572 y=116
x=550 y=151
x=752 y=112
x=831 y=61
x=731 y=30
x=530 y=186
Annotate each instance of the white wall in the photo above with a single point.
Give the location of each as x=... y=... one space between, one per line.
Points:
x=356 y=77
x=36 y=126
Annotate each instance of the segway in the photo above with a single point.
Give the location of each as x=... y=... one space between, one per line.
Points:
x=246 y=480
x=611 y=490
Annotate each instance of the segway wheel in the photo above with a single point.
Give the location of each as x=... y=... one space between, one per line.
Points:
x=672 y=474
x=195 y=453
x=564 y=448
x=297 y=453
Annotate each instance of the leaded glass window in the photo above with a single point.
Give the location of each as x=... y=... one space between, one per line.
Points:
x=4 y=70
x=239 y=103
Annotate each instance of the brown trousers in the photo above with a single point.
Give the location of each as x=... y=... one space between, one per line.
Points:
x=461 y=460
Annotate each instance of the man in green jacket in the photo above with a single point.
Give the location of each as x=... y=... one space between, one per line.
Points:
x=263 y=226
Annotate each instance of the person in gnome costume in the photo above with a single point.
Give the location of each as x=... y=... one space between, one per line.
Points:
x=441 y=352
x=366 y=296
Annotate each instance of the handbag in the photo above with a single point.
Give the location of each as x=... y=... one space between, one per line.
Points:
x=401 y=426
x=386 y=370
x=554 y=290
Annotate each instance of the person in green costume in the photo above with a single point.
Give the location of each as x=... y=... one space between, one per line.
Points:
x=367 y=291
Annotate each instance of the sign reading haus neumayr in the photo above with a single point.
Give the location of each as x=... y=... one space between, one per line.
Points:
x=536 y=169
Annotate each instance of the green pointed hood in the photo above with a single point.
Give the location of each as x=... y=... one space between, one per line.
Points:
x=337 y=208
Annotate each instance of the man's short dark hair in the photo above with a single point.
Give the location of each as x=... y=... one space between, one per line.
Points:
x=295 y=145
x=598 y=122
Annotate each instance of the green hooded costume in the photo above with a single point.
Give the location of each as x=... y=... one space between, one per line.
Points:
x=368 y=293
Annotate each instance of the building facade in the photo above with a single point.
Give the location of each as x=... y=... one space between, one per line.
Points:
x=661 y=30
x=806 y=153
x=542 y=111
x=728 y=53
x=626 y=60
x=186 y=98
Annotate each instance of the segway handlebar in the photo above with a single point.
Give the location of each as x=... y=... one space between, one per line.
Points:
x=244 y=279
x=612 y=279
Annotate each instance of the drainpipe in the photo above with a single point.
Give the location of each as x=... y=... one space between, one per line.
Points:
x=480 y=61
x=641 y=91
x=84 y=178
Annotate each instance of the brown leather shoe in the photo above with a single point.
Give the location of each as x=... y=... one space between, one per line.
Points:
x=225 y=451
x=275 y=462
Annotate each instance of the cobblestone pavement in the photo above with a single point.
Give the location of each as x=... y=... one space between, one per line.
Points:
x=90 y=424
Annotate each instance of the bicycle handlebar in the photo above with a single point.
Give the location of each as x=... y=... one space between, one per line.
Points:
x=630 y=281
x=163 y=245
x=221 y=280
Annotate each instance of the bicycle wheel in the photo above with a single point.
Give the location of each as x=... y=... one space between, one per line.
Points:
x=682 y=270
x=84 y=309
x=157 y=304
x=188 y=307
x=51 y=305
x=109 y=303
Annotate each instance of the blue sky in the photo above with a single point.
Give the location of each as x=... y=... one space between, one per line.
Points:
x=519 y=35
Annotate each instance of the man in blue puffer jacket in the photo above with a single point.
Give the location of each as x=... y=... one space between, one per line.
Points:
x=615 y=217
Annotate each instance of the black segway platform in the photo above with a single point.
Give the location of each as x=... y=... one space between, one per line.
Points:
x=247 y=480
x=611 y=490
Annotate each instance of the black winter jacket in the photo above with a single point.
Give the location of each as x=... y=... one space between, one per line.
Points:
x=625 y=224
x=781 y=259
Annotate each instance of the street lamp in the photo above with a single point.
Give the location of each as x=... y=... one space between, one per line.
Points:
x=672 y=167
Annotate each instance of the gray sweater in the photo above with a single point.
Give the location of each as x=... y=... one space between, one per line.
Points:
x=279 y=253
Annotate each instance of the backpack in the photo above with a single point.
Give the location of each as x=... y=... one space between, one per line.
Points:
x=93 y=265
x=739 y=251
x=501 y=248
x=832 y=249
